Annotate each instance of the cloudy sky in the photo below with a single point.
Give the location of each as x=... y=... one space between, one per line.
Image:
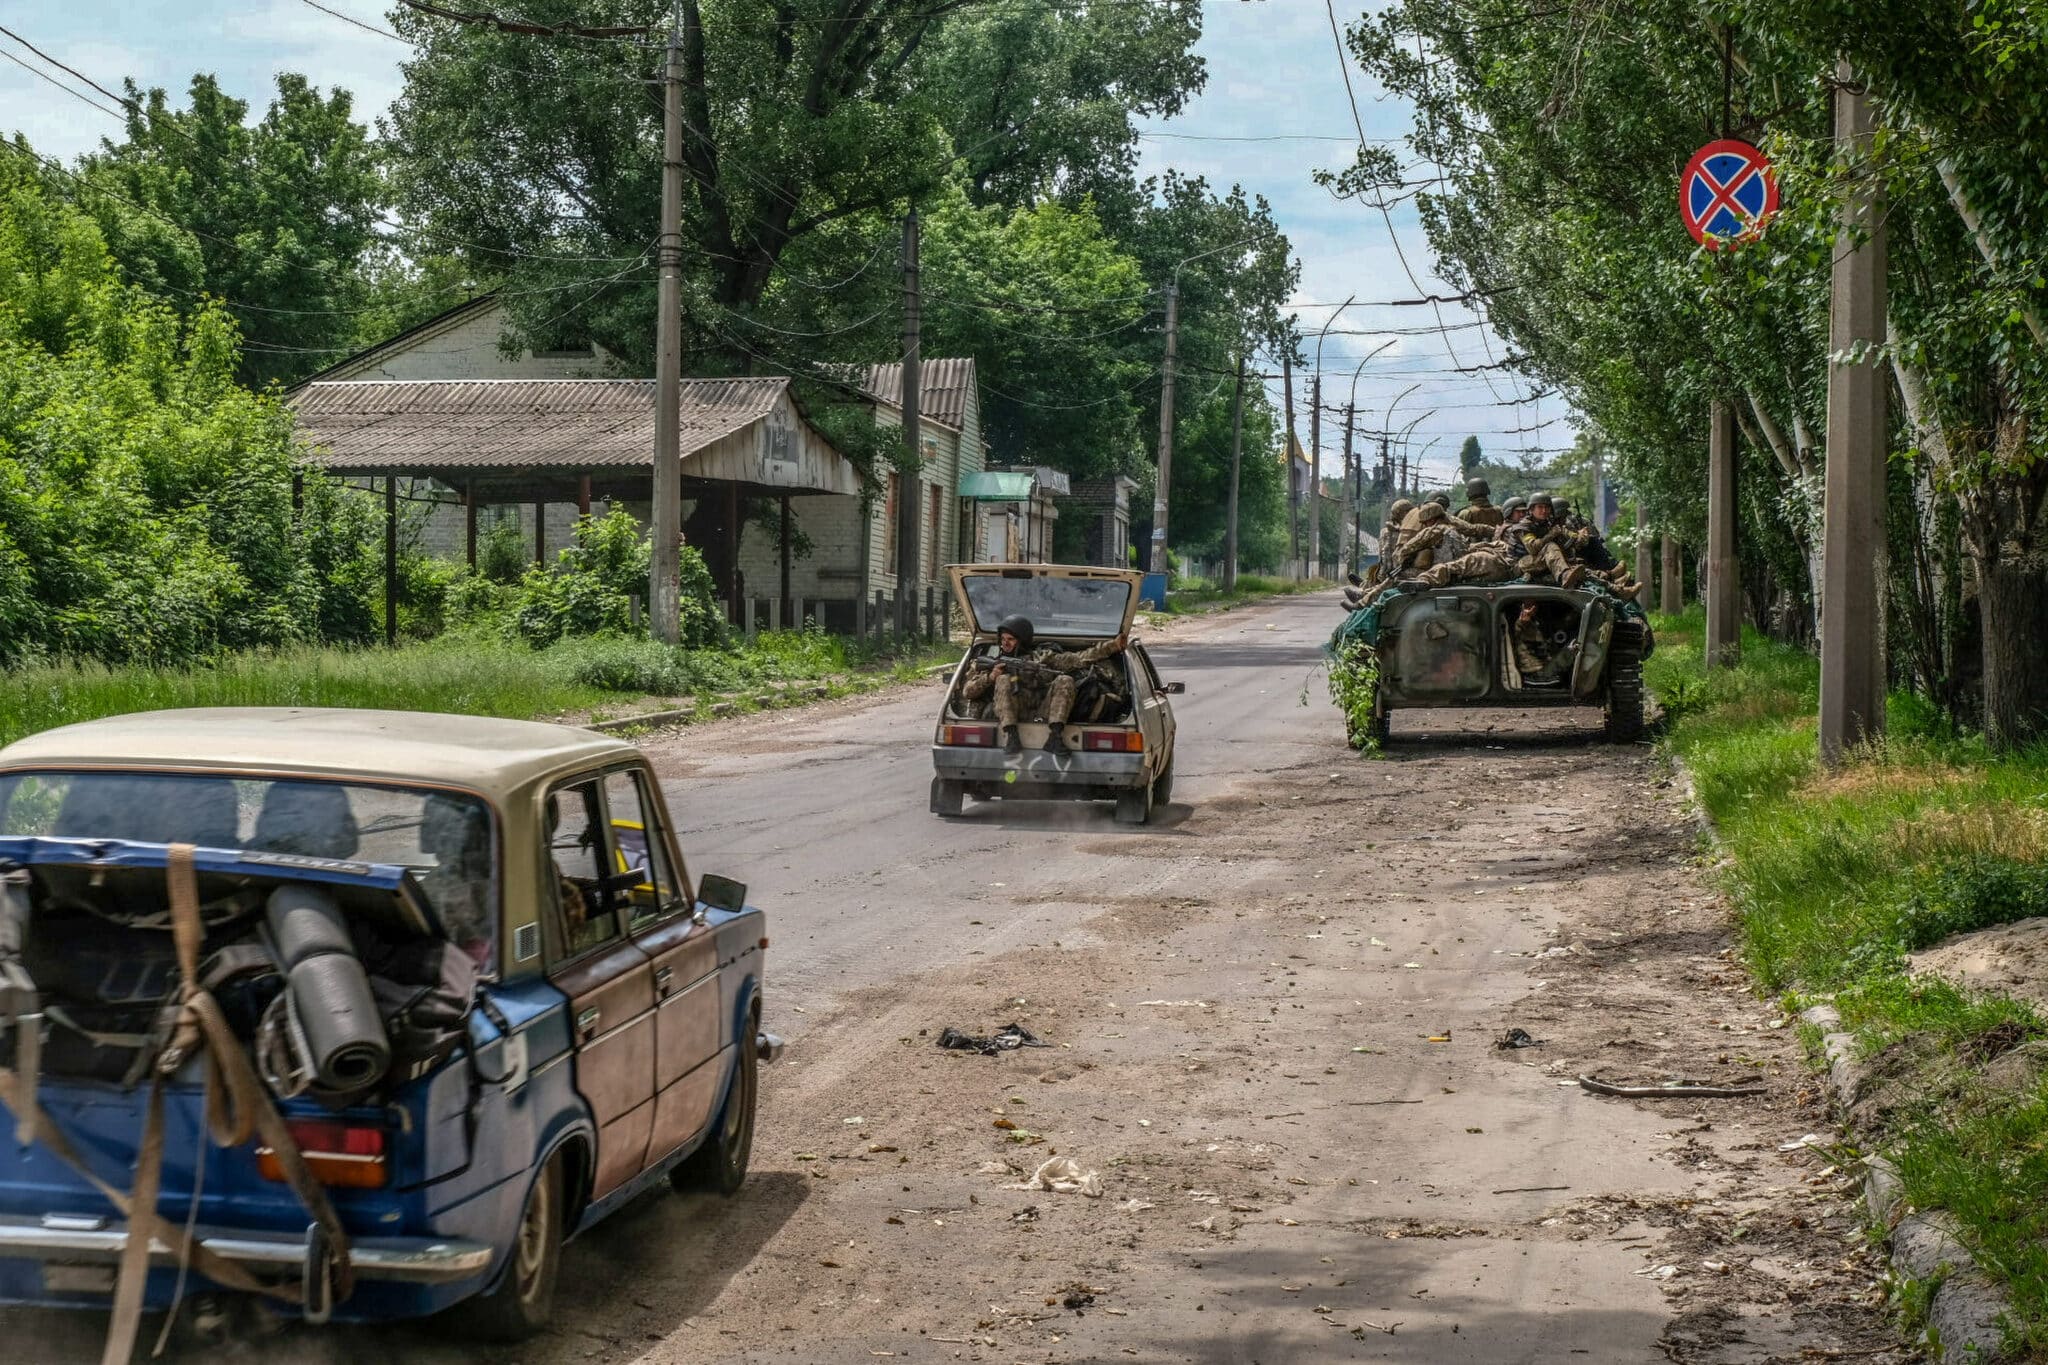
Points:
x=1274 y=75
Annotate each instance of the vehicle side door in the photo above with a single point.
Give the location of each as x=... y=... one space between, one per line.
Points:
x=1596 y=633
x=593 y=960
x=689 y=1026
x=1150 y=708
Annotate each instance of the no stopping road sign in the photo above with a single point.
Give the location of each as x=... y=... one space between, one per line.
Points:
x=1727 y=194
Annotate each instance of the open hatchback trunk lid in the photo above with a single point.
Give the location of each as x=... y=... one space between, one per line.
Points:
x=1062 y=601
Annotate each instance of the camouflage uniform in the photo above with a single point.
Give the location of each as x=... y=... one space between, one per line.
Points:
x=1045 y=692
x=1390 y=537
x=1542 y=547
x=1479 y=508
x=1486 y=563
x=1532 y=655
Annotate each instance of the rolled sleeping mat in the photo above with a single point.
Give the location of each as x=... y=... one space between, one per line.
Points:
x=345 y=1042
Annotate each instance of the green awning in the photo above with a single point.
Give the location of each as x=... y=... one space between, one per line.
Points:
x=997 y=486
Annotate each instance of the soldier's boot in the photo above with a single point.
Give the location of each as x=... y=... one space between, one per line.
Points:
x=1628 y=592
x=1573 y=576
x=1056 y=737
x=1011 y=744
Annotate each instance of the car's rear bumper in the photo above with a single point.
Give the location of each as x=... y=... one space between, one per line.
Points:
x=1035 y=768
x=90 y=1241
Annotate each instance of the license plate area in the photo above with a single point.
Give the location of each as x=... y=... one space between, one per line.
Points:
x=60 y=1278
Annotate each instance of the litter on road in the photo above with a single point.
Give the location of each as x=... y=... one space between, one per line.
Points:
x=1062 y=1175
x=1008 y=1038
x=1662 y=1092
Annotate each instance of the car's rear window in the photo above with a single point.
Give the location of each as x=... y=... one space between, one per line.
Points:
x=1055 y=606
x=445 y=838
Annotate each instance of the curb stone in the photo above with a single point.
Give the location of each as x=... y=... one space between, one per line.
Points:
x=1966 y=1308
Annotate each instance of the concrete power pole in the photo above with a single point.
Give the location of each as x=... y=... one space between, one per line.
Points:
x=1644 y=573
x=1287 y=463
x=1357 y=475
x=1236 y=464
x=910 y=487
x=1852 y=549
x=1164 y=477
x=665 y=518
x=1315 y=469
x=1724 y=569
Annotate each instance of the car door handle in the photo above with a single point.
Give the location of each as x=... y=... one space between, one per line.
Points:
x=664 y=979
x=586 y=1021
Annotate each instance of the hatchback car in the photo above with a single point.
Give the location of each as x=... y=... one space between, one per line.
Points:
x=1119 y=741
x=465 y=956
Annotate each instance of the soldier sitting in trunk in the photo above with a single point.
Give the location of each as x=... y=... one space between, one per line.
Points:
x=1026 y=684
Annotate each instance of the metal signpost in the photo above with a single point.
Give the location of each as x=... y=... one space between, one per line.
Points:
x=1726 y=197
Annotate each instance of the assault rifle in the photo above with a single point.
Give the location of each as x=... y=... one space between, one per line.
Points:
x=985 y=662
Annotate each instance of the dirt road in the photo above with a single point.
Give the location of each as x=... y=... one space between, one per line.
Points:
x=1273 y=1015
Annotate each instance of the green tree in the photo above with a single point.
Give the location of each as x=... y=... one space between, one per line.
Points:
x=277 y=218
x=145 y=497
x=1470 y=457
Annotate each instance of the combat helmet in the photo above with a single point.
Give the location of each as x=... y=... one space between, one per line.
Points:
x=1399 y=511
x=1514 y=504
x=1019 y=626
x=1477 y=489
x=1544 y=501
x=1442 y=500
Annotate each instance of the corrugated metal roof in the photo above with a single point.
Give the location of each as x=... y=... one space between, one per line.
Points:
x=943 y=389
x=574 y=424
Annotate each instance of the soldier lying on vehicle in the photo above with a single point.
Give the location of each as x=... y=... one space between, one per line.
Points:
x=1022 y=683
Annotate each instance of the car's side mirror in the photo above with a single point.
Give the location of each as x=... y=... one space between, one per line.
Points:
x=1175 y=688
x=721 y=893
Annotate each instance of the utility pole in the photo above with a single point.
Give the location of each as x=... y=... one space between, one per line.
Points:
x=1724 y=569
x=910 y=489
x=1315 y=470
x=1643 y=566
x=1164 y=476
x=665 y=518
x=1287 y=463
x=1357 y=488
x=1852 y=550
x=1236 y=464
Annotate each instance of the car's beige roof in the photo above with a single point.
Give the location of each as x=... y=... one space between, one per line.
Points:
x=494 y=757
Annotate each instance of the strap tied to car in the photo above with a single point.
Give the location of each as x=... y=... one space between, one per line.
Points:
x=237 y=1110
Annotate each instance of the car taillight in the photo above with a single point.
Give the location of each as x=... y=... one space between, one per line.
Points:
x=982 y=736
x=342 y=1154
x=1112 y=741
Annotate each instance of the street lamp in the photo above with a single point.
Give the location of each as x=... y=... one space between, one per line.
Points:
x=1164 y=476
x=1315 y=444
x=1356 y=471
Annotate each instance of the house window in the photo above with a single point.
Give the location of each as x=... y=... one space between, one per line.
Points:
x=583 y=352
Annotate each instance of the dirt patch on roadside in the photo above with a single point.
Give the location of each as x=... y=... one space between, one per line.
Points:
x=2011 y=959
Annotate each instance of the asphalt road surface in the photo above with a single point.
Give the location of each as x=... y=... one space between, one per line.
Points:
x=1274 y=1014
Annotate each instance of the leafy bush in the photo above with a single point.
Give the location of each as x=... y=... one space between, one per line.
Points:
x=502 y=553
x=588 y=590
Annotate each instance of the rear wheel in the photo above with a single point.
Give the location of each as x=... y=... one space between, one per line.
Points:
x=1625 y=684
x=1372 y=731
x=720 y=1165
x=949 y=798
x=1162 y=785
x=1134 y=807
x=524 y=1300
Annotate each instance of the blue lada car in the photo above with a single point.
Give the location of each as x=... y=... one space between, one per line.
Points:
x=458 y=964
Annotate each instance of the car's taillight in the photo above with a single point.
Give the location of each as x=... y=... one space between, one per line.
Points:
x=347 y=1155
x=1113 y=741
x=982 y=736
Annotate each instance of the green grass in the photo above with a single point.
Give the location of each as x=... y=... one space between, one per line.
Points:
x=477 y=673
x=1836 y=876
x=1194 y=595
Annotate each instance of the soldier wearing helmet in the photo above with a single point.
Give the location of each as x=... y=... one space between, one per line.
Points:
x=1390 y=535
x=1479 y=509
x=1541 y=542
x=1024 y=681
